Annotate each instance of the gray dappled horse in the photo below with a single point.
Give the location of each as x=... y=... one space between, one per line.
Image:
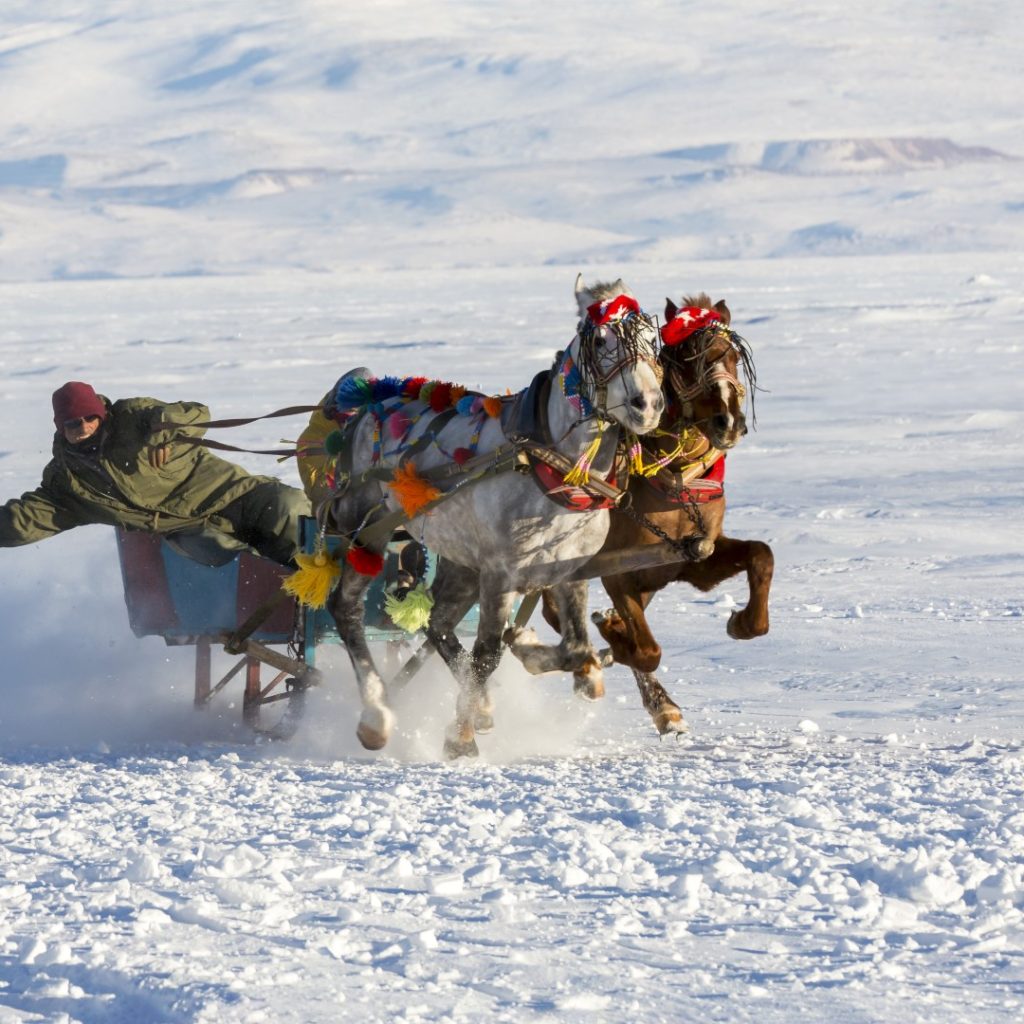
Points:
x=502 y=528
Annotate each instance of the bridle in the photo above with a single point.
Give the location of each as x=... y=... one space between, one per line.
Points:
x=631 y=330
x=708 y=373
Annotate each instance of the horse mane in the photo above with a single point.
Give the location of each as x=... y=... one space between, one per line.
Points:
x=701 y=300
x=609 y=289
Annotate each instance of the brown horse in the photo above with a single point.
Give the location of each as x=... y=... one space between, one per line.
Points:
x=703 y=361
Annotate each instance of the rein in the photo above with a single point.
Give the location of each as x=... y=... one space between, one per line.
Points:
x=203 y=442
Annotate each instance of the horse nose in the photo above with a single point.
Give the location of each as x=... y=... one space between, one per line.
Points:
x=640 y=403
x=724 y=424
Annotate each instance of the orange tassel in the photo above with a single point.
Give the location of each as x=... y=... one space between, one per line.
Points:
x=411 y=490
x=492 y=406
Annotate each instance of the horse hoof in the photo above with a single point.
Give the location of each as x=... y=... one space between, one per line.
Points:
x=374 y=728
x=455 y=748
x=670 y=722
x=699 y=548
x=598 y=617
x=588 y=682
x=520 y=635
x=370 y=738
x=738 y=628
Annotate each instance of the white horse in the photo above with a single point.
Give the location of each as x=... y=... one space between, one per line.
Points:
x=504 y=532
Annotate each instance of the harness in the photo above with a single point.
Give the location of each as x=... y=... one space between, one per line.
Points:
x=526 y=422
x=697 y=483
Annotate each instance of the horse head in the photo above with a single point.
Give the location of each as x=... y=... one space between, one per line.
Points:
x=616 y=353
x=703 y=360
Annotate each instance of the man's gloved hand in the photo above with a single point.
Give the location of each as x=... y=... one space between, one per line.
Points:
x=158 y=455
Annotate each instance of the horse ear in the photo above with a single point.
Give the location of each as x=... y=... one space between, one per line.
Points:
x=723 y=311
x=670 y=310
x=583 y=296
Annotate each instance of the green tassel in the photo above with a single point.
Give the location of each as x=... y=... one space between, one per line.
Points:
x=412 y=613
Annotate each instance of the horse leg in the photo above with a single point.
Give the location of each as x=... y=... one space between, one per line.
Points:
x=665 y=713
x=587 y=677
x=549 y=610
x=455 y=590
x=625 y=628
x=474 y=702
x=565 y=607
x=730 y=558
x=629 y=635
x=346 y=607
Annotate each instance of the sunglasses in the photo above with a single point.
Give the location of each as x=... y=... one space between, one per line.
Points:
x=80 y=422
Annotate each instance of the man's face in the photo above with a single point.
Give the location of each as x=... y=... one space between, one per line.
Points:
x=77 y=431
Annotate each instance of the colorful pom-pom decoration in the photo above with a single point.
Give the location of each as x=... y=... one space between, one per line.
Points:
x=462 y=455
x=364 y=561
x=353 y=391
x=398 y=424
x=492 y=406
x=334 y=443
x=311 y=584
x=440 y=397
x=464 y=406
x=412 y=612
x=411 y=389
x=387 y=387
x=411 y=490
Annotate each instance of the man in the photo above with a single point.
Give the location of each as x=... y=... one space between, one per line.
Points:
x=134 y=463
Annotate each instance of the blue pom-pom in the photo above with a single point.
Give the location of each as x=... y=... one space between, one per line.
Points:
x=352 y=392
x=464 y=406
x=387 y=387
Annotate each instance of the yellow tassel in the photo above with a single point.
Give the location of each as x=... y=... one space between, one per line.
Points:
x=312 y=583
x=580 y=473
x=412 y=613
x=411 y=490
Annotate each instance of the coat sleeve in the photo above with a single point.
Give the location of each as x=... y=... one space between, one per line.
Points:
x=177 y=419
x=34 y=516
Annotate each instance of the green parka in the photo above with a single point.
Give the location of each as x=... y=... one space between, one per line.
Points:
x=116 y=484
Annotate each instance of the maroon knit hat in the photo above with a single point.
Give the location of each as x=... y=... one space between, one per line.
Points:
x=75 y=400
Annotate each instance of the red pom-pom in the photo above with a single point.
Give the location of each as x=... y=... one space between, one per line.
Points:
x=365 y=561
x=441 y=397
x=462 y=455
x=411 y=388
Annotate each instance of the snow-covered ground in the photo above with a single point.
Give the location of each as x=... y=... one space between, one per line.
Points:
x=216 y=202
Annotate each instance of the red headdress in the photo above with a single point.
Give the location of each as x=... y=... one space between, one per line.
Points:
x=687 y=321
x=612 y=309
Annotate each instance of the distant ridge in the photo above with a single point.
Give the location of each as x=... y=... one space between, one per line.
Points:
x=839 y=156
